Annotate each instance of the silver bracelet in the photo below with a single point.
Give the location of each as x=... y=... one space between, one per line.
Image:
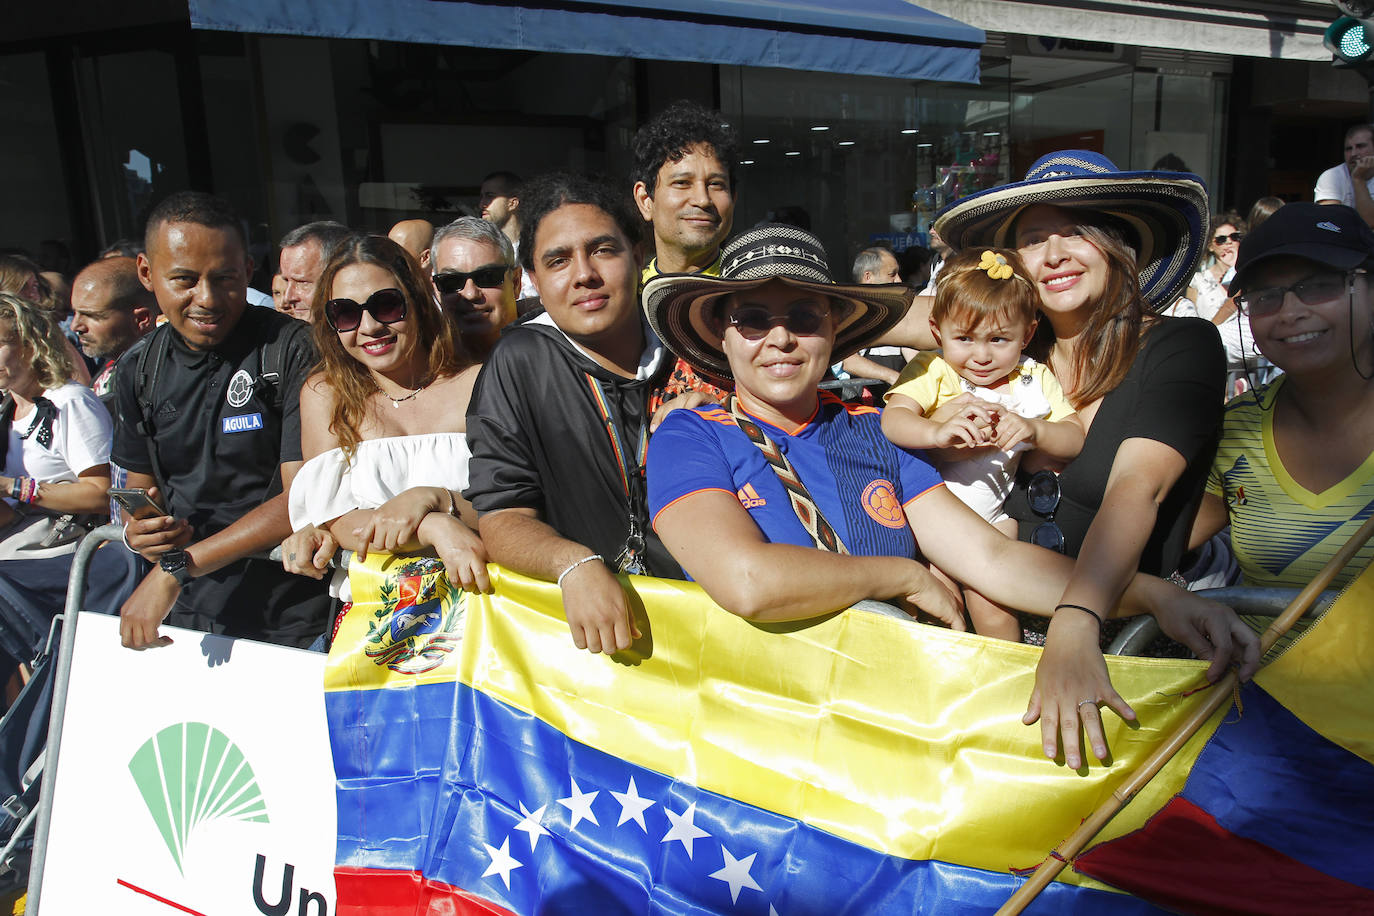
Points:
x=124 y=536
x=563 y=575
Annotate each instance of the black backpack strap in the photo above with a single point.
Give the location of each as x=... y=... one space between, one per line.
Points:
x=6 y=418
x=272 y=368
x=145 y=388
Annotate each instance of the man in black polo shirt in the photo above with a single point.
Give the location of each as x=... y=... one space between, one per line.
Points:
x=208 y=410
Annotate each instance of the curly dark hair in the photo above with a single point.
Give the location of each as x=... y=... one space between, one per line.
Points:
x=669 y=135
x=544 y=194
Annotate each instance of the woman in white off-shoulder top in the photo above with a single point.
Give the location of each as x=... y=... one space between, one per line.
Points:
x=383 y=420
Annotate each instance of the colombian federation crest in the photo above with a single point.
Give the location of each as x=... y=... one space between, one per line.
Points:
x=417 y=624
x=240 y=389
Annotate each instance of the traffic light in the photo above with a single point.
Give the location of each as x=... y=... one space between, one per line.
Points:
x=1351 y=37
x=1349 y=41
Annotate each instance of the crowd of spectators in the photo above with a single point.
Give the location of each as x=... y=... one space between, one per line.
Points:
x=527 y=387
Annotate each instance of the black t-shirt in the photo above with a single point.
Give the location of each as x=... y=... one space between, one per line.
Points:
x=539 y=441
x=1171 y=394
x=220 y=442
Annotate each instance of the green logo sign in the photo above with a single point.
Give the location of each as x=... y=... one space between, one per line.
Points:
x=189 y=774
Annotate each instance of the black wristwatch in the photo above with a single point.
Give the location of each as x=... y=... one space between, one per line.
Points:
x=173 y=563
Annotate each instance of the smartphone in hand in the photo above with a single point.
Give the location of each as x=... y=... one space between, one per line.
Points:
x=136 y=502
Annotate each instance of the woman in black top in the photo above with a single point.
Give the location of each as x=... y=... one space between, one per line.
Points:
x=1107 y=248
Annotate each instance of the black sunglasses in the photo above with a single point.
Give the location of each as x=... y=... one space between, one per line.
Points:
x=452 y=281
x=385 y=305
x=755 y=323
x=1223 y=239
x=1312 y=291
x=1043 y=495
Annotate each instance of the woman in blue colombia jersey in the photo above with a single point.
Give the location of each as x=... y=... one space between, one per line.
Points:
x=785 y=503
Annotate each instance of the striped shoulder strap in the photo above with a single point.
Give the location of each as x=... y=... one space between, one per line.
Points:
x=808 y=513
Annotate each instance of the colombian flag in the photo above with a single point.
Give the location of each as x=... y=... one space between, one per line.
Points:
x=858 y=764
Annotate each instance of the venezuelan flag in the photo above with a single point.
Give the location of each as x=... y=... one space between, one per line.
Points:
x=1277 y=814
x=858 y=764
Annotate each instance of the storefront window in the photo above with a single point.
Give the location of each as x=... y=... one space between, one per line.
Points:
x=1178 y=125
x=861 y=159
x=131 y=111
x=34 y=205
x=400 y=131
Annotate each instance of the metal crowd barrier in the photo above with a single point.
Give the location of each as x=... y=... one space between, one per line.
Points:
x=1137 y=635
x=76 y=596
x=850 y=389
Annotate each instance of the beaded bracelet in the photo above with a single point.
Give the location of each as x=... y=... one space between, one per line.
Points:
x=24 y=489
x=1079 y=607
x=564 y=573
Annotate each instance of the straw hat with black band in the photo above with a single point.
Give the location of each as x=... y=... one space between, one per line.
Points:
x=680 y=306
x=1163 y=215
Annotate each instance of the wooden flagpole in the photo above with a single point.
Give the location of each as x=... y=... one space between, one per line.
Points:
x=1220 y=695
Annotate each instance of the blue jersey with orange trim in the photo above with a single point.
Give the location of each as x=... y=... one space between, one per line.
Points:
x=861 y=482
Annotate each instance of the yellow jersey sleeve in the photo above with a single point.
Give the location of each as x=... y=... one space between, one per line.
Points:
x=929 y=381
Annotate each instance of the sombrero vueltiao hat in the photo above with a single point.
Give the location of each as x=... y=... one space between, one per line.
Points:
x=678 y=306
x=1166 y=212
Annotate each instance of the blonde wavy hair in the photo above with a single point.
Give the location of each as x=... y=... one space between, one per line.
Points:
x=37 y=334
x=15 y=273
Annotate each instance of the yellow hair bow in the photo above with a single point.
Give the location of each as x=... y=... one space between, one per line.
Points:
x=996 y=266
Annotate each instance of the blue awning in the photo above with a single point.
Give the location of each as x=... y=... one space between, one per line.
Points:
x=869 y=37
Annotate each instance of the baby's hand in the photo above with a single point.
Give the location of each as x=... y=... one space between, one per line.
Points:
x=1013 y=429
x=966 y=405
x=960 y=432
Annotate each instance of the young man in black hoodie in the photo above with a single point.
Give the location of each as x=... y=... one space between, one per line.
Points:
x=560 y=415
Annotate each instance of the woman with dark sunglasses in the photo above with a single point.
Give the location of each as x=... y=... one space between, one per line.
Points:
x=1207 y=292
x=383 y=421
x=1207 y=297
x=786 y=503
x=1294 y=472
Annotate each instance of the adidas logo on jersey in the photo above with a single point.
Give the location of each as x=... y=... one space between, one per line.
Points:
x=749 y=497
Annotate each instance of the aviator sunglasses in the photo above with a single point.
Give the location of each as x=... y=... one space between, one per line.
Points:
x=1043 y=495
x=755 y=323
x=453 y=281
x=387 y=306
x=1311 y=291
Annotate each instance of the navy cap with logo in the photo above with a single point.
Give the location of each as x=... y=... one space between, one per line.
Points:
x=1329 y=234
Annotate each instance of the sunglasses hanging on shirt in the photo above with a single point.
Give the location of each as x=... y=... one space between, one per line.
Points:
x=1043 y=495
